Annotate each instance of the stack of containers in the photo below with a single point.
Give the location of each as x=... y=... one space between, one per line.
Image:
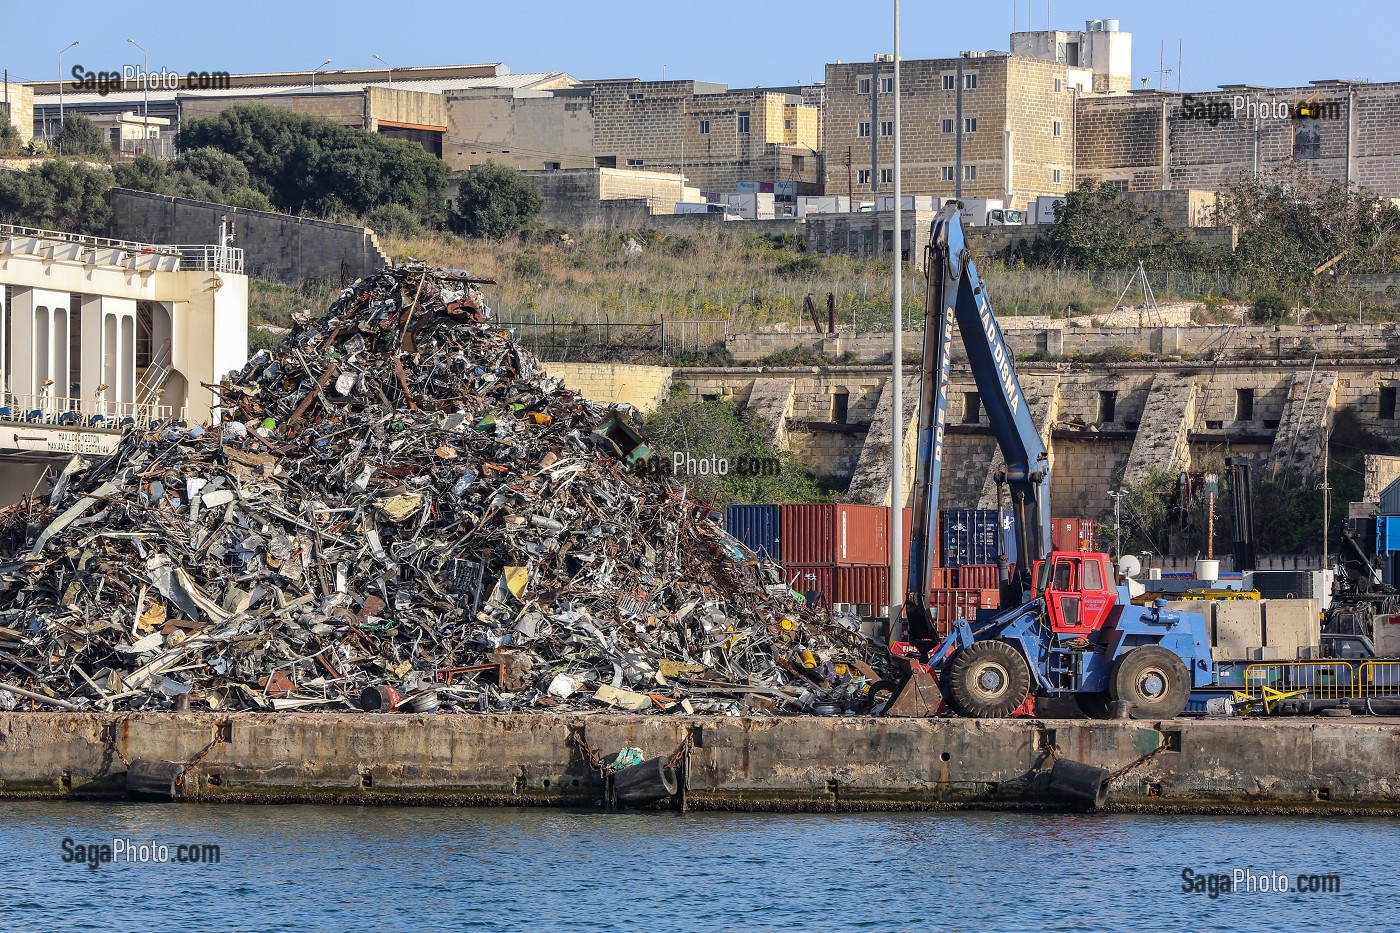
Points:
x=840 y=553
x=971 y=547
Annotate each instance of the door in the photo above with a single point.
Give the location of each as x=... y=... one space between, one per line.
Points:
x=1078 y=596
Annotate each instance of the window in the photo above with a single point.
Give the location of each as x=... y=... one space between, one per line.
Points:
x=1244 y=404
x=743 y=123
x=887 y=238
x=863 y=176
x=948 y=124
x=1093 y=577
x=634 y=163
x=1055 y=176
x=863 y=86
x=1108 y=402
x=886 y=127
x=636 y=96
x=1117 y=184
x=1064 y=576
x=1307 y=139
x=1387 y=403
x=970 y=81
x=704 y=127
x=948 y=173
x=799 y=163
x=864 y=129
x=886 y=176
x=1055 y=128
x=887 y=85
x=969 y=173
x=969 y=124
x=950 y=82
x=1059 y=85
x=840 y=405
x=551 y=166
x=972 y=408
x=1214 y=425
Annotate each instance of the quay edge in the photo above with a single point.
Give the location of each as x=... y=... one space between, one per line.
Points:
x=1321 y=766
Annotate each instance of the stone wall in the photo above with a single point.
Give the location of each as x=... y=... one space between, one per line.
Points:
x=18 y=104
x=494 y=124
x=275 y=246
x=643 y=387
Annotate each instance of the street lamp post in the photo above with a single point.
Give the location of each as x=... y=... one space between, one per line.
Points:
x=314 y=73
x=1117 y=498
x=897 y=594
x=145 y=94
x=386 y=65
x=60 y=83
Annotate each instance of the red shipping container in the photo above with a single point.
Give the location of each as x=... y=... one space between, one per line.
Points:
x=835 y=533
x=1072 y=534
x=949 y=605
x=820 y=580
x=979 y=577
x=943 y=578
x=863 y=585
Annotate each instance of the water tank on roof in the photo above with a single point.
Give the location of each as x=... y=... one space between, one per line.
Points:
x=1110 y=25
x=1093 y=25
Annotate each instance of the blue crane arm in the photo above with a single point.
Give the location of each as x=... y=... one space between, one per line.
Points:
x=957 y=296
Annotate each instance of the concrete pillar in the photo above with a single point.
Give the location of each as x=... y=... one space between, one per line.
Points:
x=90 y=353
x=21 y=375
x=58 y=356
x=117 y=354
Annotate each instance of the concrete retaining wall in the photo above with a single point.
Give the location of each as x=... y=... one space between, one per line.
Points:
x=781 y=764
x=275 y=246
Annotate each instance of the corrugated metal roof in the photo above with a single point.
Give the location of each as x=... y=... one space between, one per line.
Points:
x=522 y=81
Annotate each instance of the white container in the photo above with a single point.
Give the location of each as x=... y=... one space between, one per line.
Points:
x=912 y=202
x=1043 y=210
x=751 y=205
x=976 y=210
x=1208 y=570
x=822 y=204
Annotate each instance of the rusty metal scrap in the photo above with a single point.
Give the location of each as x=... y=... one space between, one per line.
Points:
x=399 y=495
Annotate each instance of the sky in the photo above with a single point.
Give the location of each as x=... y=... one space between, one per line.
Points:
x=770 y=43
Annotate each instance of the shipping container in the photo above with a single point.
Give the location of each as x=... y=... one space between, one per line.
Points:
x=943 y=578
x=1286 y=584
x=834 y=533
x=1072 y=534
x=862 y=585
x=818 y=584
x=979 y=577
x=1390 y=499
x=970 y=536
x=1387 y=533
x=947 y=606
x=757 y=526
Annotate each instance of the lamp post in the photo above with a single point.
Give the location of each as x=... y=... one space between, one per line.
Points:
x=1117 y=498
x=313 y=74
x=145 y=94
x=386 y=65
x=60 y=83
x=896 y=522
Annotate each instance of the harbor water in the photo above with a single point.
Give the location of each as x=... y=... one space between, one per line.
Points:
x=310 y=868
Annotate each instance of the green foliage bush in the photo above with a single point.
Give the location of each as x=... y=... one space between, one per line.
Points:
x=493 y=201
x=80 y=137
x=1269 y=308
x=57 y=195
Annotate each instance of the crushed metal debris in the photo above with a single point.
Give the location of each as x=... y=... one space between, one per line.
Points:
x=399 y=509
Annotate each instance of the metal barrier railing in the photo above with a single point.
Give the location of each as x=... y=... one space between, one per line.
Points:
x=1317 y=680
x=1378 y=679
x=80 y=413
x=197 y=258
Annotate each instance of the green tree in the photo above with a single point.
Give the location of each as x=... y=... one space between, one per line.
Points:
x=717 y=429
x=307 y=164
x=393 y=220
x=9 y=136
x=1098 y=228
x=57 y=195
x=493 y=200
x=203 y=174
x=79 y=136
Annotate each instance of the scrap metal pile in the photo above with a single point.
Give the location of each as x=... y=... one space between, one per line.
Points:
x=398 y=507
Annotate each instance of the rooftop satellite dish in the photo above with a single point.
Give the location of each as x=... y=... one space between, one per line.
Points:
x=1129 y=566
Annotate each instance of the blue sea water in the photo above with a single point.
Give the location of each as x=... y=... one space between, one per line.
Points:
x=312 y=868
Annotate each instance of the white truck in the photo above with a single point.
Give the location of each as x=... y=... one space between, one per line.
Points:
x=991 y=212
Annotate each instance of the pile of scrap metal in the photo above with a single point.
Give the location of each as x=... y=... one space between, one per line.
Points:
x=398 y=508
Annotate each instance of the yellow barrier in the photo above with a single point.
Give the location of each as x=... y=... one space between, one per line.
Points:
x=1378 y=679
x=1316 y=680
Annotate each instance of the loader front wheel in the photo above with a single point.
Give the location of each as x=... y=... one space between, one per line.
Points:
x=988 y=680
x=1154 y=680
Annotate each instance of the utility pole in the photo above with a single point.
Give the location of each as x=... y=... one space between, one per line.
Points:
x=875 y=125
x=957 y=140
x=145 y=94
x=60 y=84
x=896 y=522
x=850 y=184
x=1326 y=495
x=1117 y=498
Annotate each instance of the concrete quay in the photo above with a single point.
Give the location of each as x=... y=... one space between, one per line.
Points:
x=1321 y=766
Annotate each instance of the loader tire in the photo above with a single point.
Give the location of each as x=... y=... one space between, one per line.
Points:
x=988 y=680
x=1153 y=679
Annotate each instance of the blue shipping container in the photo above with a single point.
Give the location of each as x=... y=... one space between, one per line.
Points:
x=1387 y=534
x=757 y=526
x=971 y=536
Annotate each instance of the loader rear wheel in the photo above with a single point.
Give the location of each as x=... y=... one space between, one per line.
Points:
x=988 y=680
x=1154 y=680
